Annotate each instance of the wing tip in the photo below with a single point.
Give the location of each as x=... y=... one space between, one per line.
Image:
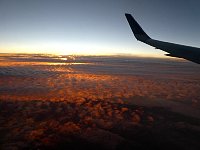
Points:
x=137 y=30
x=127 y=14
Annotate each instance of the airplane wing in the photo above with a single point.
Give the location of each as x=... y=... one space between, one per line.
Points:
x=173 y=50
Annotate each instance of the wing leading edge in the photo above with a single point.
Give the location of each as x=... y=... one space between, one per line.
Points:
x=173 y=50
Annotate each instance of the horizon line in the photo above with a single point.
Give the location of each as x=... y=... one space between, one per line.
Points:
x=93 y=55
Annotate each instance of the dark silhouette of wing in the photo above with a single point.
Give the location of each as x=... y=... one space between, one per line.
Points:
x=173 y=50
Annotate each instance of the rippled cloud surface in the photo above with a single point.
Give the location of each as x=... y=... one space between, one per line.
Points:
x=60 y=102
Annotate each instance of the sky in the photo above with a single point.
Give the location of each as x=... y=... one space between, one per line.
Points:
x=95 y=27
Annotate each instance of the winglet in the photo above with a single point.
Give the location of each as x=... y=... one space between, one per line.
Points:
x=137 y=30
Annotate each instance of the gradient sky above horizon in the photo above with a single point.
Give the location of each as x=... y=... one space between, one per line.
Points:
x=95 y=27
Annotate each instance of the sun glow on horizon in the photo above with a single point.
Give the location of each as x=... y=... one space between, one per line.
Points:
x=77 y=48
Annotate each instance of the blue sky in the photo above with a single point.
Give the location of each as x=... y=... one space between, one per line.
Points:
x=95 y=27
